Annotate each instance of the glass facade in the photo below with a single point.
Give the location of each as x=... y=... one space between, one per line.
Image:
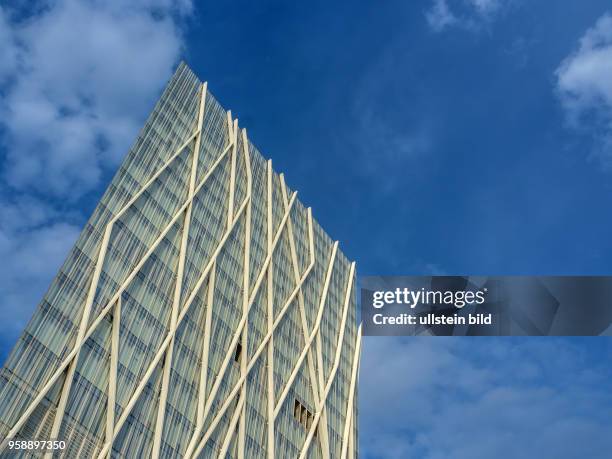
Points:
x=202 y=312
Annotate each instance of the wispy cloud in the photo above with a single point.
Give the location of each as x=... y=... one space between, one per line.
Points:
x=387 y=137
x=584 y=85
x=76 y=81
x=465 y=14
x=34 y=240
x=384 y=150
x=439 y=16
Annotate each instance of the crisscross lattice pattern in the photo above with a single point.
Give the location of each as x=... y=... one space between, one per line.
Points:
x=202 y=312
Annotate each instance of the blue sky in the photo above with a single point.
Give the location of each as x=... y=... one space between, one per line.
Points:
x=440 y=136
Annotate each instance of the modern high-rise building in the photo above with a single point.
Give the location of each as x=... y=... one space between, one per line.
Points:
x=202 y=312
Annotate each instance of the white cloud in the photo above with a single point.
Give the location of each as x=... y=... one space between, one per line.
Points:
x=77 y=79
x=485 y=7
x=87 y=70
x=584 y=83
x=466 y=14
x=439 y=16
x=34 y=240
x=31 y=259
x=469 y=398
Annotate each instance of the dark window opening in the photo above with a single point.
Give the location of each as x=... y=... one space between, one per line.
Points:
x=304 y=416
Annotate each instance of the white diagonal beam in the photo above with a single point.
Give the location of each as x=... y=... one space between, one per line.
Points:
x=87 y=309
x=339 y=346
x=238 y=331
x=347 y=436
x=323 y=431
x=206 y=346
x=178 y=286
x=263 y=344
x=61 y=407
x=73 y=354
x=231 y=428
x=311 y=366
x=149 y=182
x=240 y=410
x=312 y=335
x=252 y=363
x=136 y=395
